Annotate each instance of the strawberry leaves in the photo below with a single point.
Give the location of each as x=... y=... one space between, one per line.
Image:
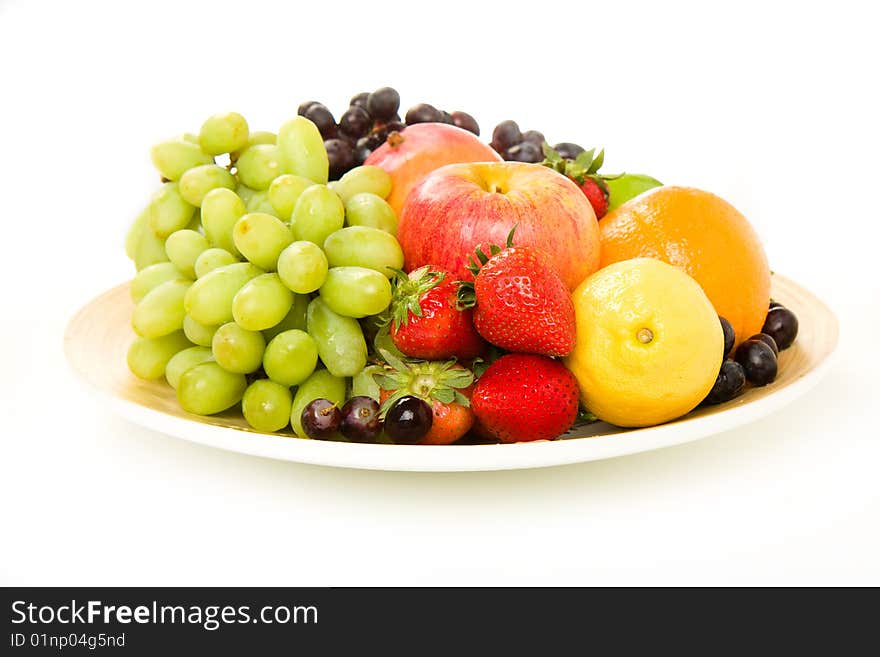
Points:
x=429 y=380
x=585 y=165
x=408 y=291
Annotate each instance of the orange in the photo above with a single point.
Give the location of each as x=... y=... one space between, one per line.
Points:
x=706 y=237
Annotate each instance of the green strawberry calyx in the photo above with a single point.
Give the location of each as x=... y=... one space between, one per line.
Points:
x=408 y=292
x=466 y=298
x=431 y=381
x=584 y=167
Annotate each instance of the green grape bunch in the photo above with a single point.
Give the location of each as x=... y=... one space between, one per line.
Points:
x=253 y=273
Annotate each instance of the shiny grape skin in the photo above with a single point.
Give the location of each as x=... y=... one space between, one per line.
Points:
x=729 y=335
x=359 y=100
x=323 y=119
x=524 y=152
x=568 y=150
x=422 y=113
x=730 y=383
x=360 y=420
x=768 y=340
x=782 y=325
x=465 y=121
x=341 y=157
x=758 y=361
x=355 y=122
x=321 y=419
x=534 y=137
x=505 y=135
x=383 y=103
x=408 y=420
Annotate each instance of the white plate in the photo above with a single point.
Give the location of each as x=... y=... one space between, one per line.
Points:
x=98 y=337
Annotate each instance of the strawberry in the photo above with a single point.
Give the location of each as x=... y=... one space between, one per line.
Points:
x=426 y=322
x=446 y=386
x=522 y=397
x=521 y=303
x=584 y=171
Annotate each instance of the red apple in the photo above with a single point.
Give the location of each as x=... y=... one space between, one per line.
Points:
x=410 y=155
x=462 y=206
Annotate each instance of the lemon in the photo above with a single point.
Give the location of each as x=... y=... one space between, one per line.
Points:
x=649 y=344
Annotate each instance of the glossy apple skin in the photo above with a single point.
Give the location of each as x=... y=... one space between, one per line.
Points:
x=462 y=206
x=411 y=155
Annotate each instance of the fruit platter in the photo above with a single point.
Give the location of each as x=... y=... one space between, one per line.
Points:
x=396 y=293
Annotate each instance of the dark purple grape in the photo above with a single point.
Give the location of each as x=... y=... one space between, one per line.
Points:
x=303 y=107
x=394 y=126
x=534 y=137
x=729 y=384
x=423 y=113
x=355 y=122
x=372 y=141
x=781 y=325
x=465 y=121
x=360 y=420
x=359 y=100
x=758 y=362
x=361 y=155
x=340 y=155
x=408 y=420
x=383 y=103
x=524 y=152
x=446 y=117
x=505 y=135
x=323 y=119
x=321 y=419
x=568 y=150
x=768 y=340
x=729 y=335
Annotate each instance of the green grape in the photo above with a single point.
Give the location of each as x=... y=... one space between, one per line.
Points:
x=284 y=192
x=371 y=211
x=210 y=259
x=261 y=303
x=382 y=341
x=302 y=150
x=221 y=208
x=207 y=388
x=183 y=360
x=302 y=267
x=172 y=158
x=259 y=202
x=200 y=334
x=147 y=358
x=266 y=405
x=361 y=246
x=223 y=133
x=291 y=357
x=261 y=238
x=368 y=178
x=258 y=137
x=195 y=223
x=133 y=236
x=149 y=277
x=295 y=318
x=161 y=312
x=340 y=340
x=320 y=385
x=259 y=165
x=169 y=211
x=317 y=213
x=190 y=137
x=183 y=247
x=150 y=250
x=356 y=291
x=245 y=193
x=363 y=384
x=237 y=349
x=209 y=300
x=198 y=181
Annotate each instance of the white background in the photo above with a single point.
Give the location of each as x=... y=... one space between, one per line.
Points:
x=770 y=105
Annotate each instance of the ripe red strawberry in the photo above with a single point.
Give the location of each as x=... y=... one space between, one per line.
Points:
x=426 y=322
x=584 y=171
x=447 y=387
x=523 y=397
x=521 y=303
